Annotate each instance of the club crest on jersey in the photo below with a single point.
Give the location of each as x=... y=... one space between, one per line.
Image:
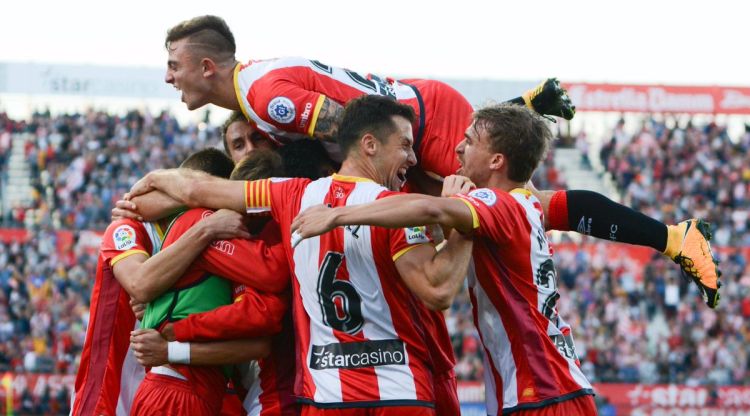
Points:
x=485 y=195
x=124 y=237
x=416 y=235
x=281 y=109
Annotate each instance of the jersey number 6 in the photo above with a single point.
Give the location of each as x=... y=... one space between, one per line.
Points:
x=347 y=315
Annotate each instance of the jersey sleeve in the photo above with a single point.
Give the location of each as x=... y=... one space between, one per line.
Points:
x=274 y=196
x=124 y=238
x=404 y=239
x=253 y=263
x=496 y=214
x=183 y=223
x=252 y=314
x=278 y=99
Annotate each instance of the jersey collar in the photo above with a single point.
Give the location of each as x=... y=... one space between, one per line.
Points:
x=344 y=178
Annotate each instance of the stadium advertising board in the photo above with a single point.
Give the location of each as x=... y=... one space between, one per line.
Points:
x=664 y=400
x=659 y=98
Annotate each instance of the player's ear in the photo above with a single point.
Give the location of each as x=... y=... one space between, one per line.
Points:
x=497 y=161
x=369 y=144
x=208 y=67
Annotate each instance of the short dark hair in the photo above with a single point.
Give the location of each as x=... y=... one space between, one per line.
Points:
x=234 y=117
x=212 y=161
x=209 y=34
x=370 y=114
x=305 y=159
x=518 y=133
x=259 y=164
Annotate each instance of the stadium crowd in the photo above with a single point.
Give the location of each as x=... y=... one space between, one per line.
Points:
x=628 y=327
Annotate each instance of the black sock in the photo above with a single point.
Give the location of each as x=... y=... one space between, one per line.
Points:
x=517 y=100
x=594 y=214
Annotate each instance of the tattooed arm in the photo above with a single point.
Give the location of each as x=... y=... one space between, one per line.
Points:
x=327 y=125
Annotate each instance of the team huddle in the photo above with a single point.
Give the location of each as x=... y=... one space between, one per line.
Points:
x=304 y=270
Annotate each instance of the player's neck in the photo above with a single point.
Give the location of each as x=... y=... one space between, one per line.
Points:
x=353 y=166
x=224 y=94
x=498 y=181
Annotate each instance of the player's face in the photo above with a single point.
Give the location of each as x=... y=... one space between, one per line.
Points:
x=397 y=155
x=242 y=139
x=474 y=155
x=185 y=73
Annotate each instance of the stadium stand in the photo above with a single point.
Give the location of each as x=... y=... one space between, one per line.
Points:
x=636 y=320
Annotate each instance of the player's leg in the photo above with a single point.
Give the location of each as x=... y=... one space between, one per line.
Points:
x=548 y=99
x=686 y=243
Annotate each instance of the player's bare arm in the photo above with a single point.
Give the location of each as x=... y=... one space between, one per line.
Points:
x=435 y=277
x=147 y=207
x=146 y=278
x=396 y=211
x=151 y=349
x=194 y=189
x=327 y=125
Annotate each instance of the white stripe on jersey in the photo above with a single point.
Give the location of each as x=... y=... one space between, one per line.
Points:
x=495 y=341
x=131 y=377
x=575 y=371
x=379 y=322
x=250 y=375
x=306 y=258
x=153 y=235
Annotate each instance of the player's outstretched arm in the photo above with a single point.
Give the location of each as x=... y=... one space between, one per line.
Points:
x=146 y=278
x=398 y=211
x=193 y=188
x=151 y=350
x=254 y=314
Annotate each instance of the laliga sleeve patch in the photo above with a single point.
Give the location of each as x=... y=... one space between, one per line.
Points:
x=416 y=235
x=281 y=109
x=124 y=237
x=487 y=196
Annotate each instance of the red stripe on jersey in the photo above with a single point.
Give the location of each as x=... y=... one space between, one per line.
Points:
x=530 y=346
x=98 y=381
x=277 y=373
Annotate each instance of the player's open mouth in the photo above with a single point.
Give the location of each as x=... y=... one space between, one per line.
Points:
x=401 y=175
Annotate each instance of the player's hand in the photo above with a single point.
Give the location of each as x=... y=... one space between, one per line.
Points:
x=125 y=209
x=316 y=220
x=138 y=309
x=149 y=347
x=225 y=224
x=143 y=186
x=456 y=184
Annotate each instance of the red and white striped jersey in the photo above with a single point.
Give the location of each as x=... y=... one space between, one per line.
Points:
x=359 y=335
x=283 y=96
x=108 y=374
x=513 y=289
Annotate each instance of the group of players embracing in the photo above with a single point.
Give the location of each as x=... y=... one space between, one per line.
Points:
x=260 y=282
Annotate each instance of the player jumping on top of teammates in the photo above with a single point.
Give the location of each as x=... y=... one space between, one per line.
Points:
x=292 y=98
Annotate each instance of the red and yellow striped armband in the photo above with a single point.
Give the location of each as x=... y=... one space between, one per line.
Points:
x=258 y=196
